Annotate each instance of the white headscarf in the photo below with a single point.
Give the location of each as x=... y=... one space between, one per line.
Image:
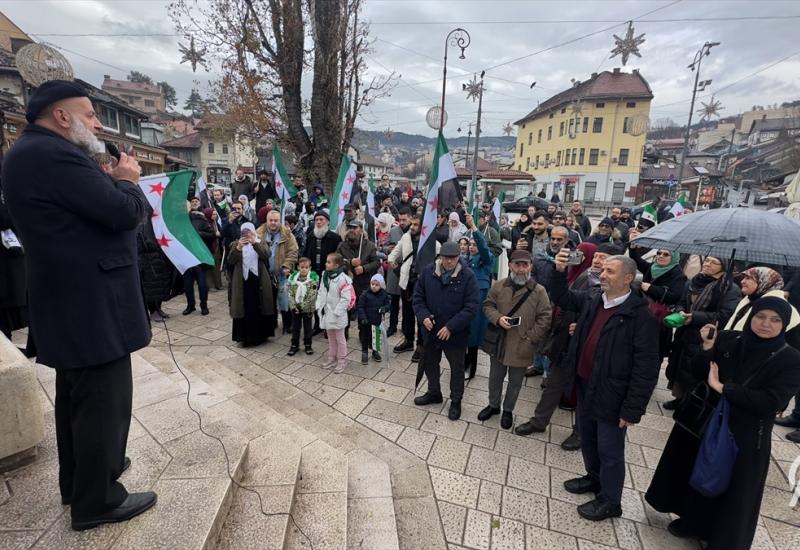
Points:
x=384 y=218
x=249 y=255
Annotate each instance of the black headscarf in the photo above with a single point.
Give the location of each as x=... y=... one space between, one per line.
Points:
x=754 y=343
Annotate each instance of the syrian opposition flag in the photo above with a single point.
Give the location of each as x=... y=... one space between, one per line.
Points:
x=498 y=200
x=343 y=191
x=680 y=205
x=371 y=211
x=174 y=232
x=442 y=170
x=200 y=187
x=649 y=214
x=284 y=187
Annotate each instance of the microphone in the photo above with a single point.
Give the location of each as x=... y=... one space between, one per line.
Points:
x=113 y=150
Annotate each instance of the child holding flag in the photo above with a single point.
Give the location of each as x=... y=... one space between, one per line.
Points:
x=372 y=304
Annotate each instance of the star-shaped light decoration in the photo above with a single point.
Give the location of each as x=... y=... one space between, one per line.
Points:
x=473 y=88
x=576 y=107
x=712 y=108
x=388 y=133
x=192 y=54
x=508 y=129
x=625 y=47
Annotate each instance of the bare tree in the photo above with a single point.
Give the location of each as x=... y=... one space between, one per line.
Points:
x=264 y=48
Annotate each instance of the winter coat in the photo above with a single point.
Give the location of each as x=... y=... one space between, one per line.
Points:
x=450 y=304
x=203 y=228
x=543 y=268
x=582 y=221
x=157 y=272
x=392 y=278
x=244 y=187
x=326 y=245
x=668 y=289
x=493 y=241
x=263 y=193
x=231 y=231
x=332 y=302
x=520 y=343
x=286 y=255
x=13 y=288
x=626 y=363
x=78 y=228
x=309 y=303
x=729 y=521
x=372 y=306
x=267 y=300
x=369 y=261
x=404 y=255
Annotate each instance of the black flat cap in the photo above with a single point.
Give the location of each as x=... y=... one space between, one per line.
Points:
x=50 y=92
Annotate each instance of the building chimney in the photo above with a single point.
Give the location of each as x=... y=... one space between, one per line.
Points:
x=616 y=70
x=635 y=71
x=594 y=75
x=107 y=76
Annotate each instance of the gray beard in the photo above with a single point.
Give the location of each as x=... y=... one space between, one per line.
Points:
x=320 y=232
x=519 y=279
x=81 y=136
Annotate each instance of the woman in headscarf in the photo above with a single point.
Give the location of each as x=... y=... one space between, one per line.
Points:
x=516 y=231
x=456 y=228
x=756 y=282
x=664 y=283
x=710 y=297
x=248 y=212
x=214 y=275
x=481 y=261
x=385 y=222
x=252 y=304
x=758 y=374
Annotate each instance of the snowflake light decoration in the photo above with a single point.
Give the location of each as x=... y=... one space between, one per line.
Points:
x=388 y=133
x=576 y=107
x=508 y=129
x=625 y=47
x=473 y=88
x=192 y=55
x=710 y=109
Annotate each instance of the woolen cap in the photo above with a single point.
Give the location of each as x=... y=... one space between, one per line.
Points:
x=355 y=223
x=50 y=92
x=521 y=256
x=450 y=249
x=322 y=213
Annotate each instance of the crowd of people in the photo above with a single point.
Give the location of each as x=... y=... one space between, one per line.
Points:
x=551 y=296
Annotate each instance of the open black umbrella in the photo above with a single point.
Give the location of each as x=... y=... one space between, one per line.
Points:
x=754 y=236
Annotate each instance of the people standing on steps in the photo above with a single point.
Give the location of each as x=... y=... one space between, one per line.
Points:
x=283 y=253
x=480 y=260
x=518 y=296
x=335 y=295
x=446 y=298
x=303 y=287
x=372 y=305
x=252 y=304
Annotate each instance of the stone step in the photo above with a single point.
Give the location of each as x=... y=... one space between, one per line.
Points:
x=371 y=521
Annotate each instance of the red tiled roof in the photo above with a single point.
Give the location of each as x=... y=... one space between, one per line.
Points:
x=508 y=174
x=191 y=141
x=122 y=85
x=606 y=85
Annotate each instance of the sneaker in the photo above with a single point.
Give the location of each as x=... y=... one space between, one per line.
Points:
x=428 y=399
x=188 y=310
x=376 y=356
x=330 y=364
x=403 y=346
x=364 y=357
x=506 y=420
x=417 y=355
x=309 y=351
x=487 y=413
x=340 y=367
x=292 y=350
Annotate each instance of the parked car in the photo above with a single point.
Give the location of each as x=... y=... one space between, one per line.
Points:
x=661 y=213
x=522 y=204
x=762 y=197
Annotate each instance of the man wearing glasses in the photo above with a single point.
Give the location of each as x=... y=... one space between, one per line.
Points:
x=560 y=220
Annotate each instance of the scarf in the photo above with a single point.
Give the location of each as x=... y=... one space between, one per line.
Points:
x=329 y=276
x=766 y=279
x=274 y=239
x=702 y=289
x=302 y=286
x=657 y=271
x=249 y=255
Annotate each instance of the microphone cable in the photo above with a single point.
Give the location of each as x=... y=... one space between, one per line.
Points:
x=221 y=444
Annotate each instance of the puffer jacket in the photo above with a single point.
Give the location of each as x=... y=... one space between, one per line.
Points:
x=308 y=305
x=626 y=363
x=332 y=302
x=372 y=306
x=520 y=343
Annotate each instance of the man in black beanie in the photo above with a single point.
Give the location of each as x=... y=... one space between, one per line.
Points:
x=78 y=225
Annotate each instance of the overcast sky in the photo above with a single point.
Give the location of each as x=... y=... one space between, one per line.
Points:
x=410 y=40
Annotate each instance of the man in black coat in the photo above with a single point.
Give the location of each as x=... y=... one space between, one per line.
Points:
x=614 y=354
x=77 y=223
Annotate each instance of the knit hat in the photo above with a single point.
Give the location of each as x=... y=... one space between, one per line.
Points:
x=608 y=221
x=50 y=92
x=322 y=213
x=610 y=249
x=778 y=305
x=378 y=278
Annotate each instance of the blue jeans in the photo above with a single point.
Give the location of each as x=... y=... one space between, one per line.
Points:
x=542 y=362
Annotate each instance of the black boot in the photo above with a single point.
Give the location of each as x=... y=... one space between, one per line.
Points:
x=428 y=399
x=292 y=350
x=417 y=355
x=455 y=410
x=364 y=357
x=487 y=413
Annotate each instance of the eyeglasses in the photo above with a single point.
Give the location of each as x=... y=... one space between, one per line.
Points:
x=237 y=209
x=603 y=225
x=559 y=218
x=664 y=253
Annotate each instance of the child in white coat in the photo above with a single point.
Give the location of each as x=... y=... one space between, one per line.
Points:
x=335 y=297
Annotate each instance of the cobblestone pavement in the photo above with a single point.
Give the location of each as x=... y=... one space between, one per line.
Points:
x=493 y=489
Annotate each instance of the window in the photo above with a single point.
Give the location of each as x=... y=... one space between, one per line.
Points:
x=623 y=157
x=129 y=99
x=618 y=192
x=625 y=125
x=558 y=158
x=599 y=105
x=581 y=156
x=589 y=191
x=539 y=139
x=597 y=125
x=528 y=163
x=561 y=128
x=149 y=103
x=630 y=104
x=131 y=125
x=564 y=110
x=593 y=154
x=547 y=160
x=536 y=165
x=219 y=175
x=108 y=117
x=224 y=148
x=551 y=115
x=521 y=148
x=585 y=124
x=574 y=154
x=211 y=148
x=549 y=133
x=571 y=126
x=530 y=138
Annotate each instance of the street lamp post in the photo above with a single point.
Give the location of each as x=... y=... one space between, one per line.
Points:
x=459 y=38
x=704 y=50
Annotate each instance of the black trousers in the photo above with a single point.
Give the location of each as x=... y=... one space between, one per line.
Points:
x=431 y=359
x=93 y=415
x=394 y=311
x=191 y=275
x=304 y=321
x=410 y=324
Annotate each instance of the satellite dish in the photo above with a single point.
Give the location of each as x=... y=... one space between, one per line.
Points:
x=637 y=125
x=434 y=115
x=38 y=63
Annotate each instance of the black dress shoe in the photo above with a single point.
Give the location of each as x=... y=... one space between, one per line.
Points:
x=309 y=351
x=670 y=405
x=135 y=504
x=790 y=421
x=572 y=443
x=581 y=485
x=455 y=410
x=203 y=310
x=417 y=355
x=189 y=309
x=793 y=436
x=403 y=346
x=292 y=350
x=599 y=509
x=533 y=371
x=678 y=528
x=506 y=420
x=527 y=428
x=487 y=413
x=364 y=357
x=428 y=399
x=376 y=356
x=125 y=465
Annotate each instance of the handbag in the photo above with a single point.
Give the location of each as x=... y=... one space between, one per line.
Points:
x=659 y=310
x=493 y=337
x=713 y=466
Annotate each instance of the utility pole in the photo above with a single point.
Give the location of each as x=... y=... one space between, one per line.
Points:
x=474 y=184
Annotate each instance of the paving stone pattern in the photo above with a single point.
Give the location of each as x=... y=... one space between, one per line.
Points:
x=475 y=484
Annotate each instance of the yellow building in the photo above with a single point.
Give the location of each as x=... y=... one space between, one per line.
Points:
x=587 y=142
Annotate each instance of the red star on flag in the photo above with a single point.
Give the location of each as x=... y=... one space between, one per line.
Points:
x=278 y=184
x=349 y=178
x=345 y=195
x=433 y=205
x=157 y=188
x=424 y=230
x=155 y=214
x=341 y=212
x=163 y=241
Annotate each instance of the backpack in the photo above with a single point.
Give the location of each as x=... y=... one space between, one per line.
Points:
x=352 y=303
